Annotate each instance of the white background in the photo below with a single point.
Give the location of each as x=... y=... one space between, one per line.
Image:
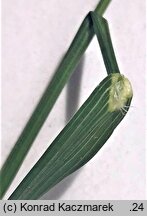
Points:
x=35 y=35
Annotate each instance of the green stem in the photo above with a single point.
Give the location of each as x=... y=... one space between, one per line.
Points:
x=101 y=29
x=63 y=73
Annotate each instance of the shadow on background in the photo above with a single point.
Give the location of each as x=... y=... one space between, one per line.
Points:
x=73 y=91
x=72 y=100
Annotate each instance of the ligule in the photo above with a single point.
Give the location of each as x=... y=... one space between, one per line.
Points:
x=81 y=139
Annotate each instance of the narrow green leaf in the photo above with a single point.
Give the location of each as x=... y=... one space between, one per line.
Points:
x=63 y=73
x=81 y=138
x=101 y=29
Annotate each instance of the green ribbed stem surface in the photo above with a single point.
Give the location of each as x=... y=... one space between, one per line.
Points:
x=62 y=74
x=77 y=143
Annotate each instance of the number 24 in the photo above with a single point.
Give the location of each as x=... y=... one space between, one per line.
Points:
x=138 y=207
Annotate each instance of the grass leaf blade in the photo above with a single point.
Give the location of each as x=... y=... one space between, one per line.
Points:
x=81 y=138
x=63 y=73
